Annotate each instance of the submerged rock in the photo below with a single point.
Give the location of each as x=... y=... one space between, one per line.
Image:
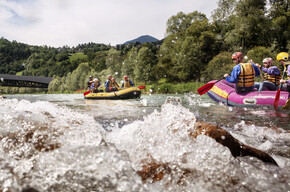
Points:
x=156 y=170
x=226 y=139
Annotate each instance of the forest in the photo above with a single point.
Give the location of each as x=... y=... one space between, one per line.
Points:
x=195 y=49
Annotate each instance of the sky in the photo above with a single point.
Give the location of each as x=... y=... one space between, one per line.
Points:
x=58 y=23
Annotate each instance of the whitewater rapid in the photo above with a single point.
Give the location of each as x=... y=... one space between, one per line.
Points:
x=74 y=145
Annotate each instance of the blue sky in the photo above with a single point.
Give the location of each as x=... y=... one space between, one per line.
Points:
x=71 y=22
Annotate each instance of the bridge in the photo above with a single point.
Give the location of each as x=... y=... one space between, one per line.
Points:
x=24 y=81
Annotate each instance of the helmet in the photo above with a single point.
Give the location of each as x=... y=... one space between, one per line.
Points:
x=268 y=60
x=125 y=77
x=237 y=55
x=282 y=56
x=91 y=76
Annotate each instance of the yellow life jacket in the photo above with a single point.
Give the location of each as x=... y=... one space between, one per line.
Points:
x=247 y=75
x=114 y=84
x=273 y=78
x=127 y=84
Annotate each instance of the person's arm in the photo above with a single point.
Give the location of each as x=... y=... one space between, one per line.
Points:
x=122 y=85
x=132 y=84
x=234 y=75
x=264 y=69
x=257 y=71
x=274 y=71
x=288 y=71
x=107 y=83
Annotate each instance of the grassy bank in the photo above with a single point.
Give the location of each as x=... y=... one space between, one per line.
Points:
x=179 y=88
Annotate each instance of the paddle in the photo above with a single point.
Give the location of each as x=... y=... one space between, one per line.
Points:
x=277 y=97
x=87 y=92
x=202 y=90
x=80 y=89
x=142 y=87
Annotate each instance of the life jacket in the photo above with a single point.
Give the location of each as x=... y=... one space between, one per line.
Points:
x=273 y=78
x=247 y=75
x=114 y=84
x=110 y=86
x=127 y=84
x=90 y=83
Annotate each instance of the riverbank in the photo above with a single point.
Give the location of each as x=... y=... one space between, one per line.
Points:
x=159 y=88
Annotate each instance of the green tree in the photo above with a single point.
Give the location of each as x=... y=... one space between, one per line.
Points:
x=257 y=54
x=145 y=61
x=130 y=62
x=280 y=17
x=250 y=26
x=114 y=62
x=54 y=85
x=218 y=66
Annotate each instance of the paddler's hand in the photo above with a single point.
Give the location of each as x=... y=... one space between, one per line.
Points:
x=258 y=65
x=226 y=75
x=282 y=81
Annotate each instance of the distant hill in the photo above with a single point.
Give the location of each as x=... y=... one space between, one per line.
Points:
x=143 y=39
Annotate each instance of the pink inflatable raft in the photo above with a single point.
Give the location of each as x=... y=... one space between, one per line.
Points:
x=223 y=92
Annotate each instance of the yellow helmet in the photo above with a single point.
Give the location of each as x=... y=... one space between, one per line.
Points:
x=282 y=56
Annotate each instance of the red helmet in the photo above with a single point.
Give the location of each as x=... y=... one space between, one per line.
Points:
x=125 y=77
x=237 y=55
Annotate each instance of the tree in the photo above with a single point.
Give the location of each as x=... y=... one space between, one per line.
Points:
x=54 y=85
x=250 y=26
x=145 y=61
x=130 y=62
x=218 y=66
x=114 y=62
x=257 y=54
x=280 y=17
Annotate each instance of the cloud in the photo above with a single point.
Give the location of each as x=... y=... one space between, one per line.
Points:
x=70 y=22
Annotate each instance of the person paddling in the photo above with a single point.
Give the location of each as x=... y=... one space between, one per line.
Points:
x=114 y=83
x=108 y=85
x=272 y=75
x=283 y=58
x=95 y=85
x=90 y=82
x=127 y=82
x=243 y=74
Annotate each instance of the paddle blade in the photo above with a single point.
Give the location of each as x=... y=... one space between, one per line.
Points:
x=142 y=87
x=87 y=92
x=80 y=90
x=277 y=97
x=202 y=90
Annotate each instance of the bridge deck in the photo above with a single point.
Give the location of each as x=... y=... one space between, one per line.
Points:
x=24 y=81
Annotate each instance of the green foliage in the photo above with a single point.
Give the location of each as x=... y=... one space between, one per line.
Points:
x=174 y=88
x=218 y=66
x=54 y=85
x=257 y=54
x=78 y=56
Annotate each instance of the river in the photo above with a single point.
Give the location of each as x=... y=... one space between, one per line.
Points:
x=65 y=143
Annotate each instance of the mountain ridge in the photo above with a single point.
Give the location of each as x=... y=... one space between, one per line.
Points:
x=143 y=39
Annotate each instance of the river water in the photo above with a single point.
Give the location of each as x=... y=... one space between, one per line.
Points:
x=65 y=143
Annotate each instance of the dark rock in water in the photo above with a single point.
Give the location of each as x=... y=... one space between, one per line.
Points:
x=155 y=171
x=29 y=189
x=226 y=139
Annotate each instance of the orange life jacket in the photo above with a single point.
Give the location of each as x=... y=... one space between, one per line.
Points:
x=247 y=75
x=273 y=78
